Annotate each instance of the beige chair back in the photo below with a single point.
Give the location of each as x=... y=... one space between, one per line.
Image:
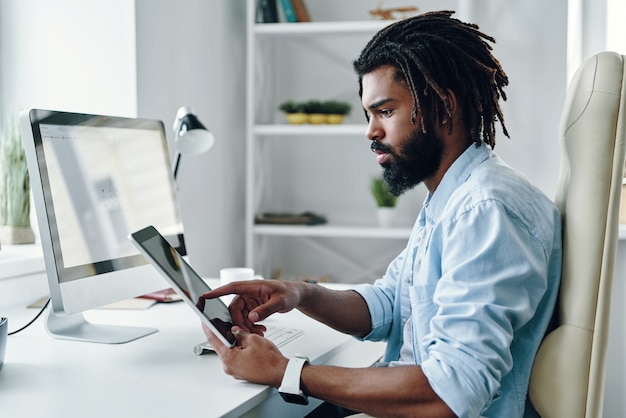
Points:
x=568 y=374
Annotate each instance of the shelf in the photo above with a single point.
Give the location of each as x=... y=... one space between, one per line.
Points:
x=322 y=28
x=21 y=260
x=335 y=231
x=279 y=130
x=264 y=67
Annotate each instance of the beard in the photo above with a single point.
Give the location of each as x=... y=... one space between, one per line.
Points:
x=419 y=158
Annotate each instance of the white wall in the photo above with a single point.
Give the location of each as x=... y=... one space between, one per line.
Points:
x=331 y=175
x=70 y=55
x=67 y=55
x=531 y=45
x=88 y=56
x=192 y=53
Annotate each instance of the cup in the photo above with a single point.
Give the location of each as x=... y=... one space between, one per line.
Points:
x=4 y=327
x=235 y=274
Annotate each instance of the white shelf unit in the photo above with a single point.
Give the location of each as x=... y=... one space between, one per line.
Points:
x=263 y=130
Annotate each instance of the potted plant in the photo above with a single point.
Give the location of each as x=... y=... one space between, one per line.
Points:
x=14 y=188
x=385 y=200
x=314 y=110
x=335 y=111
x=293 y=112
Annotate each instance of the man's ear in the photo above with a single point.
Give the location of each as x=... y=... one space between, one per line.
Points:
x=452 y=106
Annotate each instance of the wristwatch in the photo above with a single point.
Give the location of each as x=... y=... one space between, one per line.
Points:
x=290 y=386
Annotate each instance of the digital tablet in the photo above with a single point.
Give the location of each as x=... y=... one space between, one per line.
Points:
x=185 y=281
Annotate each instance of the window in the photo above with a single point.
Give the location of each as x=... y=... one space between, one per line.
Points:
x=615 y=29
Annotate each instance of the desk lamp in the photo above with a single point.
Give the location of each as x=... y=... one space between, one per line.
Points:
x=192 y=138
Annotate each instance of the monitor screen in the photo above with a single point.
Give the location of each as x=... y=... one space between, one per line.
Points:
x=96 y=179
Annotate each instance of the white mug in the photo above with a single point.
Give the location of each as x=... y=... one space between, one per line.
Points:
x=235 y=274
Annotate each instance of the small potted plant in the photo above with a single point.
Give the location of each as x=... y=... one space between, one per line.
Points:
x=385 y=200
x=335 y=111
x=14 y=188
x=314 y=110
x=294 y=112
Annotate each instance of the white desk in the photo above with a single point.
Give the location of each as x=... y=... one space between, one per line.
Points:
x=155 y=376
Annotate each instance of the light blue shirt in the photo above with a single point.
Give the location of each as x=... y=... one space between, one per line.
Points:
x=479 y=286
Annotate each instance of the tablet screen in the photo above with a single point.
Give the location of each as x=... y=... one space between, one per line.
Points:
x=185 y=281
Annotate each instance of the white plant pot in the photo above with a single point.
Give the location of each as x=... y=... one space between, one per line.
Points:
x=385 y=216
x=16 y=235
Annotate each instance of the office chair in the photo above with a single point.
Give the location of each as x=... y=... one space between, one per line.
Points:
x=568 y=374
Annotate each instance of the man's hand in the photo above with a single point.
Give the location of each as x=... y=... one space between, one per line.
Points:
x=255 y=300
x=253 y=358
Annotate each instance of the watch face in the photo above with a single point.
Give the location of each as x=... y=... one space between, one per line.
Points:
x=295 y=398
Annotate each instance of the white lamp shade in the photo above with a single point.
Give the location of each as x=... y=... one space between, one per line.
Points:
x=195 y=141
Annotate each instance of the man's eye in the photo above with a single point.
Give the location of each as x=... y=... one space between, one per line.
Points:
x=386 y=112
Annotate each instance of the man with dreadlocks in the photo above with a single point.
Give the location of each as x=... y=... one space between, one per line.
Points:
x=465 y=305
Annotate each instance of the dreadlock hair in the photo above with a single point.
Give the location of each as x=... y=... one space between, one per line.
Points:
x=432 y=53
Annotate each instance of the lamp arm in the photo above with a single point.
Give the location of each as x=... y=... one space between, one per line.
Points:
x=177 y=157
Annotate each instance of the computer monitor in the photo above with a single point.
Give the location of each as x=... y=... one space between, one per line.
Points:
x=95 y=179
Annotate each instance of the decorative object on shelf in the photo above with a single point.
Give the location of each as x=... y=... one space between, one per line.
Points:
x=265 y=131
x=385 y=200
x=302 y=12
x=293 y=111
x=305 y=218
x=15 y=188
x=267 y=12
x=288 y=11
x=385 y=216
x=315 y=112
x=335 y=111
x=392 y=13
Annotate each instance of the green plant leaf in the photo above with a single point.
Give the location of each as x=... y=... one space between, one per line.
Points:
x=15 y=184
x=381 y=193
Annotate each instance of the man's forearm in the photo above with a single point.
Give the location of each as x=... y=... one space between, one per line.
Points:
x=391 y=392
x=344 y=310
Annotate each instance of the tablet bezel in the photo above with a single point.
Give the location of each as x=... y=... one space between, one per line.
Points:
x=140 y=239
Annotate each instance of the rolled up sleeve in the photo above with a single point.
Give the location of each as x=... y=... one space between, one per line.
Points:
x=381 y=300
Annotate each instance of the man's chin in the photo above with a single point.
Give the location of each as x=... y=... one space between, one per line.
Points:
x=396 y=186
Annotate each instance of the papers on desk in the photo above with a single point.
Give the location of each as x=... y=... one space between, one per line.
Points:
x=139 y=303
x=130 y=304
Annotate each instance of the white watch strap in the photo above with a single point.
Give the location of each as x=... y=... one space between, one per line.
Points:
x=291 y=378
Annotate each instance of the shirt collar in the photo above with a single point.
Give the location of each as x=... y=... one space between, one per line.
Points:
x=457 y=174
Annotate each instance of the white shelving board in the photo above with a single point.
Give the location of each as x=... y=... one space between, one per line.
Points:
x=320 y=28
x=337 y=231
x=262 y=41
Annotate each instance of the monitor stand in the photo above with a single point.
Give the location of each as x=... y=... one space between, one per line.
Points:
x=76 y=327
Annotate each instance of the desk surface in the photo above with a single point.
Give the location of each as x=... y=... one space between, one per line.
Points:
x=155 y=376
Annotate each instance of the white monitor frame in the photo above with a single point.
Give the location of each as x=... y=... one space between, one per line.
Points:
x=82 y=285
